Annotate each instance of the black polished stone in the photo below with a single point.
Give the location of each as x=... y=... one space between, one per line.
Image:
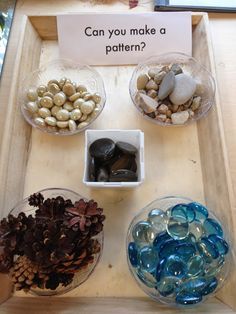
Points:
x=102 y=175
x=92 y=170
x=102 y=149
x=124 y=162
x=123 y=175
x=126 y=148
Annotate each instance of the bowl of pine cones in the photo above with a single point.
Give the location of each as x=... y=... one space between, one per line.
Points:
x=51 y=242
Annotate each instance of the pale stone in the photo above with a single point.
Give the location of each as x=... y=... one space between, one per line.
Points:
x=196 y=103
x=148 y=104
x=142 y=81
x=184 y=89
x=167 y=85
x=180 y=117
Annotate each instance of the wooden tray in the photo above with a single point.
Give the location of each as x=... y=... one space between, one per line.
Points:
x=189 y=161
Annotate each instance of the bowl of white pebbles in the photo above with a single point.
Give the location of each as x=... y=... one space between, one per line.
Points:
x=172 y=89
x=62 y=97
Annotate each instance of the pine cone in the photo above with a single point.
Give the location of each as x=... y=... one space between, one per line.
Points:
x=12 y=231
x=27 y=275
x=24 y=273
x=85 y=217
x=36 y=199
x=80 y=260
x=55 y=279
x=53 y=208
x=51 y=246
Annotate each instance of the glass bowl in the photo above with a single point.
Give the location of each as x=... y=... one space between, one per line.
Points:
x=79 y=276
x=85 y=80
x=152 y=71
x=177 y=251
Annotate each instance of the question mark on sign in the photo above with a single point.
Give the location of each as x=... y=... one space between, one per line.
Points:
x=143 y=45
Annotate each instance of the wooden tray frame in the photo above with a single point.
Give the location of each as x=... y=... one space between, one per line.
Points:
x=15 y=145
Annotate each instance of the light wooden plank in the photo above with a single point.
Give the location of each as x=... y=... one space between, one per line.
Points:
x=15 y=143
x=102 y=306
x=46 y=26
x=116 y=199
x=216 y=174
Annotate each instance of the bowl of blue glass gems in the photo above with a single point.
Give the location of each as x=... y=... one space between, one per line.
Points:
x=178 y=252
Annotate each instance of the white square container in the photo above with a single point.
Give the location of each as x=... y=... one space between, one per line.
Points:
x=134 y=137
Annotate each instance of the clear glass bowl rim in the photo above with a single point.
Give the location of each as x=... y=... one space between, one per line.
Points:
x=154 y=58
x=26 y=82
x=46 y=292
x=231 y=256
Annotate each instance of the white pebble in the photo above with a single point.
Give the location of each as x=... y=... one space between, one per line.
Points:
x=83 y=117
x=46 y=102
x=32 y=107
x=82 y=125
x=41 y=90
x=95 y=113
x=62 y=124
x=59 y=99
x=87 y=107
x=68 y=106
x=78 y=103
x=142 y=81
x=44 y=112
x=51 y=121
x=96 y=98
x=87 y=96
x=72 y=125
x=39 y=121
x=75 y=114
x=32 y=94
x=74 y=97
x=180 y=117
x=63 y=115
x=81 y=88
x=54 y=110
x=53 y=88
x=184 y=89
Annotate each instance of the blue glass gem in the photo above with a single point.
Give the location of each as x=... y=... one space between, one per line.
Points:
x=143 y=233
x=175 y=266
x=185 y=250
x=148 y=259
x=160 y=269
x=133 y=254
x=193 y=285
x=215 y=266
x=196 y=229
x=188 y=298
x=167 y=248
x=183 y=210
x=167 y=285
x=211 y=226
x=195 y=266
x=190 y=239
x=221 y=244
x=158 y=219
x=146 y=278
x=177 y=227
x=210 y=286
x=207 y=249
x=160 y=239
x=201 y=212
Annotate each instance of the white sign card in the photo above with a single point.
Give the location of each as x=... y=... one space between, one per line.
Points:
x=124 y=38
